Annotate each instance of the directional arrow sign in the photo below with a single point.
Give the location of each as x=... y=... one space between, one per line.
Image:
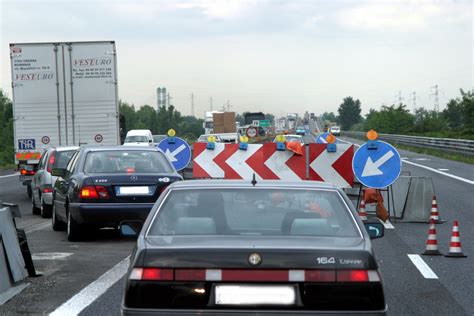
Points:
x=377 y=168
x=321 y=139
x=178 y=153
x=204 y=165
x=333 y=167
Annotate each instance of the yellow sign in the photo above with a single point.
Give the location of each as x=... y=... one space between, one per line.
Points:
x=280 y=138
x=171 y=132
x=244 y=139
x=211 y=139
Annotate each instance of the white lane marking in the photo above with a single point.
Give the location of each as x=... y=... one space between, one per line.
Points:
x=51 y=255
x=422 y=159
x=440 y=172
x=9 y=175
x=387 y=224
x=93 y=291
x=443 y=169
x=427 y=168
x=421 y=265
x=36 y=227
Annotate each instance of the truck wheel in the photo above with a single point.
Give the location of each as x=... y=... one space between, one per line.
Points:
x=35 y=210
x=57 y=224
x=74 y=232
x=45 y=209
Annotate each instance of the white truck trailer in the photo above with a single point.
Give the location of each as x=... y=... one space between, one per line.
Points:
x=63 y=94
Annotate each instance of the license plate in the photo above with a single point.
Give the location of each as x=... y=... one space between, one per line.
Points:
x=144 y=190
x=254 y=295
x=25 y=178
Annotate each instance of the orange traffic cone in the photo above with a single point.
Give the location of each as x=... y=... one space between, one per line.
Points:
x=362 y=212
x=455 y=244
x=432 y=242
x=434 y=215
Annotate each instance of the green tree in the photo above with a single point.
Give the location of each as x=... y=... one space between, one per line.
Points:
x=6 y=130
x=147 y=118
x=429 y=121
x=329 y=116
x=270 y=117
x=349 y=113
x=390 y=119
x=454 y=114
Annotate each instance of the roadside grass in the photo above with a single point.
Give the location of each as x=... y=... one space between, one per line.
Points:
x=7 y=166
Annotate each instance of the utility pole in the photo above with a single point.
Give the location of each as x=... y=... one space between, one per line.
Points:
x=436 y=100
x=413 y=100
x=399 y=97
x=228 y=105
x=210 y=102
x=192 y=104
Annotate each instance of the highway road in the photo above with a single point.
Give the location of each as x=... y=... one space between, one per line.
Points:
x=86 y=277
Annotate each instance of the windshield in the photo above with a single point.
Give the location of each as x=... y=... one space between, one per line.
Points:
x=136 y=139
x=158 y=138
x=122 y=161
x=254 y=212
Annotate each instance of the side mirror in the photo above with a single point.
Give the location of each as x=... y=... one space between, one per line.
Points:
x=150 y=141
x=130 y=228
x=58 y=172
x=374 y=229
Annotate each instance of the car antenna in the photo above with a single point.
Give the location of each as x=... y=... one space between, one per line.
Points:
x=254 y=181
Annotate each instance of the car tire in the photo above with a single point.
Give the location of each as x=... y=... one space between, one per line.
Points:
x=57 y=224
x=45 y=209
x=35 y=210
x=74 y=230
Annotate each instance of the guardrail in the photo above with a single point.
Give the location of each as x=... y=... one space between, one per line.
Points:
x=459 y=146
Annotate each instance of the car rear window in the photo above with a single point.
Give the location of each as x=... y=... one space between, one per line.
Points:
x=258 y=211
x=123 y=161
x=136 y=139
x=62 y=158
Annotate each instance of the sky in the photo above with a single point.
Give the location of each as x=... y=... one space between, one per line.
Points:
x=273 y=56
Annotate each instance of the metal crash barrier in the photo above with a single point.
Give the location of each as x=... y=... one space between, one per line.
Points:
x=15 y=258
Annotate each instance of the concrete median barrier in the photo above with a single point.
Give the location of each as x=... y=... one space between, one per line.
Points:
x=12 y=264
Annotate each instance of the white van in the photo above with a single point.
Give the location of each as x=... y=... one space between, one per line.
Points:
x=139 y=137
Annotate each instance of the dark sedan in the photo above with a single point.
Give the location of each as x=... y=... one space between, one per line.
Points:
x=102 y=186
x=267 y=248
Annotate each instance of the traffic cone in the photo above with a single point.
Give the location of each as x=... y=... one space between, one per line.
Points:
x=362 y=212
x=432 y=242
x=455 y=244
x=434 y=215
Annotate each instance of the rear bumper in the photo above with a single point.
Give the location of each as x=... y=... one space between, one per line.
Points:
x=186 y=312
x=105 y=214
x=47 y=198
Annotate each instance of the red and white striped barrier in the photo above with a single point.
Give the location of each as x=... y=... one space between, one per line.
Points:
x=227 y=161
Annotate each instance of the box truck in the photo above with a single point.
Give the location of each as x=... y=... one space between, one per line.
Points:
x=63 y=94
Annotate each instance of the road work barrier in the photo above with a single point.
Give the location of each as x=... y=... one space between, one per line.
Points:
x=12 y=264
x=267 y=162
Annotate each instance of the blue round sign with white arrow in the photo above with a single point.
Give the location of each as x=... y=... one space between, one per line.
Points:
x=177 y=151
x=321 y=139
x=377 y=168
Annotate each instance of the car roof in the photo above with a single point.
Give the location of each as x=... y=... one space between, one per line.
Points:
x=212 y=183
x=124 y=148
x=64 y=148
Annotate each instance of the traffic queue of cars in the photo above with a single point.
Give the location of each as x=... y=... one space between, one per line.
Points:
x=216 y=246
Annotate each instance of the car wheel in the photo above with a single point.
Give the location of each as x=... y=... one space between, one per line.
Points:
x=74 y=232
x=45 y=209
x=35 y=210
x=57 y=224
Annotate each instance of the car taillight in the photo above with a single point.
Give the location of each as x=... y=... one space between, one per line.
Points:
x=51 y=160
x=103 y=193
x=352 y=276
x=93 y=192
x=47 y=190
x=152 y=274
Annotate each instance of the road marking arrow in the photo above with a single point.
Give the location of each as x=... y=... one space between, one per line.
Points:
x=372 y=168
x=172 y=154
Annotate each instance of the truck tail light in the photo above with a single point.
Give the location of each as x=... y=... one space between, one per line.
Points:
x=25 y=172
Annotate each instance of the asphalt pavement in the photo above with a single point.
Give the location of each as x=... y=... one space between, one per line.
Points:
x=72 y=273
